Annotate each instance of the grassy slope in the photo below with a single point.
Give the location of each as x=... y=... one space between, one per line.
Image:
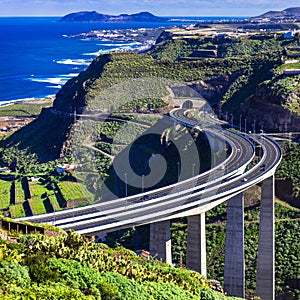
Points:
x=47 y=135
x=44 y=136
x=23 y=109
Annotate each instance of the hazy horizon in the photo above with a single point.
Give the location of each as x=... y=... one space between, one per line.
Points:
x=57 y=8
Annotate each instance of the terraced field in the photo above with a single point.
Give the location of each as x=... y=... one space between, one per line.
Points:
x=5 y=187
x=73 y=191
x=22 y=197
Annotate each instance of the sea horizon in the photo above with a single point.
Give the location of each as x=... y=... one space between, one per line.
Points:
x=40 y=54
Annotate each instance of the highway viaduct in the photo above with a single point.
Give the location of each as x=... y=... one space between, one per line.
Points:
x=192 y=199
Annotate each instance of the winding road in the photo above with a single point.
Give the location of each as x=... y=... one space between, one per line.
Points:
x=185 y=198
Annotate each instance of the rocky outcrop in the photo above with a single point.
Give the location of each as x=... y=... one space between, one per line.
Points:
x=212 y=90
x=269 y=113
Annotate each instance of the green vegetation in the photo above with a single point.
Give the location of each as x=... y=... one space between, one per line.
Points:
x=44 y=138
x=54 y=202
x=71 y=267
x=5 y=190
x=128 y=82
x=17 y=211
x=22 y=197
x=124 y=67
x=251 y=46
x=283 y=86
x=287 y=239
x=19 y=192
x=290 y=166
x=284 y=90
x=245 y=85
x=23 y=109
x=114 y=83
x=226 y=47
x=37 y=206
x=73 y=191
x=290 y=66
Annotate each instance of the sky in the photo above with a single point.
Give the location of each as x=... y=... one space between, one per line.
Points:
x=157 y=7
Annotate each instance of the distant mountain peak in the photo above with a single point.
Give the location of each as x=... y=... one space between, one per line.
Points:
x=94 y=16
x=288 y=12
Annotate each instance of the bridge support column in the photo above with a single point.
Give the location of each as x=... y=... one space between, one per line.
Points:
x=160 y=241
x=196 y=244
x=234 y=271
x=265 y=276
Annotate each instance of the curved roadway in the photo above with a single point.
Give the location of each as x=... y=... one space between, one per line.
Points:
x=188 y=197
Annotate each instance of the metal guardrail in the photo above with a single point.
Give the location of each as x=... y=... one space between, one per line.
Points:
x=111 y=215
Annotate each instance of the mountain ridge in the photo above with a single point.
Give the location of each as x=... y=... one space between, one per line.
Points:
x=288 y=12
x=94 y=16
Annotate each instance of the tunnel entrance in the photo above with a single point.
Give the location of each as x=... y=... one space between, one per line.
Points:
x=187 y=104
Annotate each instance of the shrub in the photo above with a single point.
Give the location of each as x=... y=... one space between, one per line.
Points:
x=126 y=289
x=39 y=271
x=167 y=291
x=52 y=291
x=13 y=273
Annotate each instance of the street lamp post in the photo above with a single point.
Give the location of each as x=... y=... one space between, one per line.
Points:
x=125 y=175
x=245 y=125
x=193 y=170
x=178 y=175
x=241 y=123
x=254 y=123
x=143 y=178
x=125 y=185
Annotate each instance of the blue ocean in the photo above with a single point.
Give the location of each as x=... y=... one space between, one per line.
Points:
x=39 y=54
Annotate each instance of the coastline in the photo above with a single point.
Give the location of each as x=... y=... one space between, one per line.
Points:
x=142 y=44
x=38 y=100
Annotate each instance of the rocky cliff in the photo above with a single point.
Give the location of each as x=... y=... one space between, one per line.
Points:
x=271 y=112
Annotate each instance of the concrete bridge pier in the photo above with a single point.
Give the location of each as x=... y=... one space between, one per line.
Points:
x=196 y=244
x=265 y=276
x=160 y=241
x=234 y=271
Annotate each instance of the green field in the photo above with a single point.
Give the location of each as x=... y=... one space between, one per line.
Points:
x=73 y=191
x=19 y=193
x=37 y=206
x=54 y=202
x=17 y=211
x=40 y=197
x=38 y=191
x=23 y=109
x=5 y=187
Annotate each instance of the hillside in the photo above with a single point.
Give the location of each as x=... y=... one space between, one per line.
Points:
x=93 y=16
x=286 y=13
x=68 y=266
x=240 y=66
x=47 y=135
